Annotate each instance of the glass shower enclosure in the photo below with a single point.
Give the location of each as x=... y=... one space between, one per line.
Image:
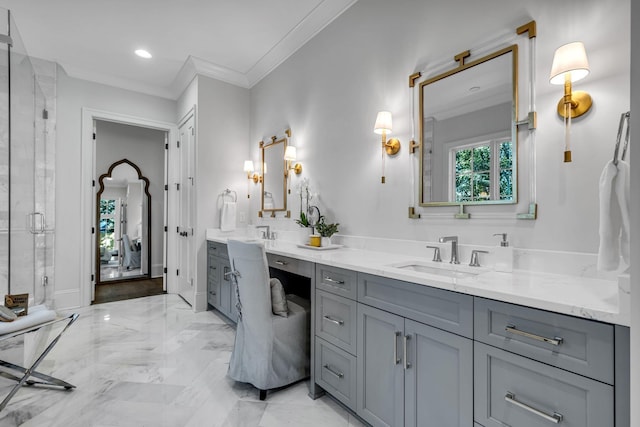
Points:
x=26 y=172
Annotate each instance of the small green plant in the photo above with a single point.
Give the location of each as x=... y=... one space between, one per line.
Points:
x=326 y=230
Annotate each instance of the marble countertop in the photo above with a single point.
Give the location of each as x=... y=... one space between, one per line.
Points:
x=591 y=298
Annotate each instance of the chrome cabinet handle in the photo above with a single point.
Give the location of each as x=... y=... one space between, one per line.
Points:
x=338 y=375
x=337 y=322
x=395 y=348
x=554 y=341
x=337 y=282
x=406 y=338
x=279 y=262
x=554 y=418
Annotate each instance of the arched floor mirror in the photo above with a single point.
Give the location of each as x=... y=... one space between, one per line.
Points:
x=123 y=224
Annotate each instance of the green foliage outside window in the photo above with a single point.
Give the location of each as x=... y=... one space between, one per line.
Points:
x=473 y=172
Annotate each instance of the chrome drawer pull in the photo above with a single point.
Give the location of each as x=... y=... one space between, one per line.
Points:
x=395 y=348
x=406 y=338
x=279 y=262
x=337 y=322
x=553 y=341
x=338 y=375
x=554 y=418
x=337 y=282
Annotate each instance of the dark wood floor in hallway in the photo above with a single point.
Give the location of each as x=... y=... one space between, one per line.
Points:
x=108 y=292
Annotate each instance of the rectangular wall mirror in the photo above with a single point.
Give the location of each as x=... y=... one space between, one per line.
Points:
x=274 y=182
x=468 y=132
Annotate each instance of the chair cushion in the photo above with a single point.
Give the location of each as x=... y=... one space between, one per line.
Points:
x=278 y=299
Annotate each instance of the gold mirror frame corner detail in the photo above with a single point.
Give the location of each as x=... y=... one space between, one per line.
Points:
x=532 y=214
x=413 y=214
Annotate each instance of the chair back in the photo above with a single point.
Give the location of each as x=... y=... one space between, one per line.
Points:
x=249 y=266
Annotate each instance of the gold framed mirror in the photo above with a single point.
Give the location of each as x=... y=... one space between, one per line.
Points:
x=468 y=132
x=274 y=176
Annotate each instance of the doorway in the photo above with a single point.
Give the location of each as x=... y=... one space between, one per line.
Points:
x=129 y=211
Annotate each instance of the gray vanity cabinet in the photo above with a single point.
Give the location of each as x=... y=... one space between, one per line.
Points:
x=380 y=390
x=411 y=373
x=438 y=378
x=220 y=289
x=512 y=390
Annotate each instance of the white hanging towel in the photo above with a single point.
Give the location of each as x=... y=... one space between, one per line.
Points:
x=228 y=216
x=623 y=194
x=610 y=220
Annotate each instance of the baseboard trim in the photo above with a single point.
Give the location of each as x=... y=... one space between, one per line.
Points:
x=68 y=298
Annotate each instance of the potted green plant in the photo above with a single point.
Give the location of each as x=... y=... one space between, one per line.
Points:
x=326 y=230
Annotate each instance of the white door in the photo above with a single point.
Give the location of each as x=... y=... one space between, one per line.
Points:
x=186 y=222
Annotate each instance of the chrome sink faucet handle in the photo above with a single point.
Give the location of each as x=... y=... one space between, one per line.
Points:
x=265 y=234
x=454 y=247
x=474 y=257
x=436 y=253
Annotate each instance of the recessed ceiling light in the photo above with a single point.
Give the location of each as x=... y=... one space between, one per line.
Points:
x=143 y=54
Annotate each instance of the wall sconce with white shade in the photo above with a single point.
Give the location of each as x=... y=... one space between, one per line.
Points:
x=290 y=155
x=570 y=64
x=383 y=127
x=251 y=176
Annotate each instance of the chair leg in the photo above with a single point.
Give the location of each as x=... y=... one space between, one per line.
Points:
x=263 y=394
x=32 y=370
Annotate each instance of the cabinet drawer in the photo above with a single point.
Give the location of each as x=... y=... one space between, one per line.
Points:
x=335 y=371
x=292 y=265
x=217 y=249
x=578 y=345
x=336 y=280
x=336 y=320
x=442 y=309
x=213 y=293
x=511 y=390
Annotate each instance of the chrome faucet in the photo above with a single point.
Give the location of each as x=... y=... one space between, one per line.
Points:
x=454 y=247
x=265 y=234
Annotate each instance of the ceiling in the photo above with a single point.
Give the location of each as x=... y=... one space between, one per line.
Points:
x=237 y=41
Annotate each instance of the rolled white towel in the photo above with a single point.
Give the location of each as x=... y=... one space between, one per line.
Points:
x=610 y=220
x=37 y=315
x=228 y=216
x=623 y=194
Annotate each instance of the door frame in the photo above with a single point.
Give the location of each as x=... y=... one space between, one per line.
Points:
x=88 y=182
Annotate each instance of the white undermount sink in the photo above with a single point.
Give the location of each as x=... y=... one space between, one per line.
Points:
x=428 y=268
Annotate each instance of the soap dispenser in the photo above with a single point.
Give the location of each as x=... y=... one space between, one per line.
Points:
x=503 y=255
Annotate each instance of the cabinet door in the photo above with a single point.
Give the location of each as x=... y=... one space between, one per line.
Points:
x=380 y=390
x=438 y=377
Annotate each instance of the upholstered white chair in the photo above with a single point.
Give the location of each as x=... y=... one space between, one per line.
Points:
x=270 y=350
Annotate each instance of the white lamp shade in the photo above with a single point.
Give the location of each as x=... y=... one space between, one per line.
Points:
x=570 y=58
x=290 y=153
x=248 y=166
x=383 y=123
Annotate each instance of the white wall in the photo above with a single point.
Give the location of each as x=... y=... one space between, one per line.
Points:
x=330 y=90
x=73 y=95
x=222 y=132
x=145 y=148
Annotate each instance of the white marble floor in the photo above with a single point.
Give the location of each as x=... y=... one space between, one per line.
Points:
x=153 y=362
